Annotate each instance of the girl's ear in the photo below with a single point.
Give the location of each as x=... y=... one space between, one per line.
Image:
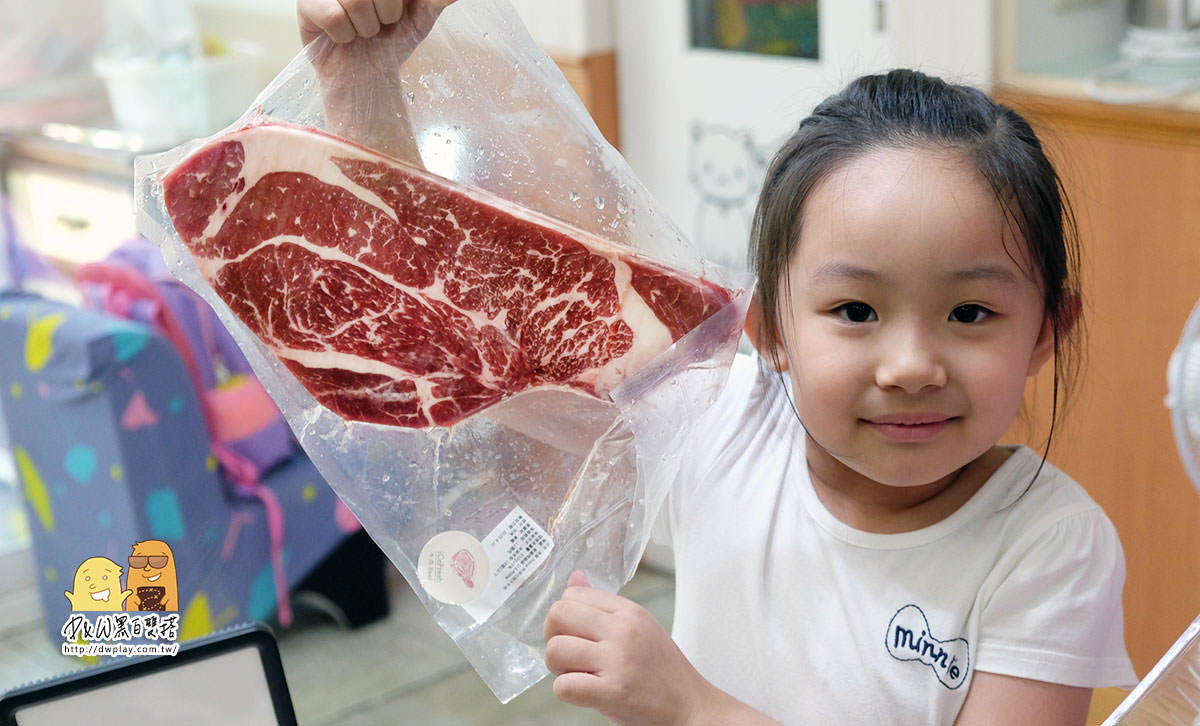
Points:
x=772 y=351
x=1044 y=348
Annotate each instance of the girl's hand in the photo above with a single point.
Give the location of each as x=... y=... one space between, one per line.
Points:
x=345 y=20
x=612 y=655
x=354 y=76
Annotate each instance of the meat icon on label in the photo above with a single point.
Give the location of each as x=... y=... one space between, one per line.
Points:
x=453 y=567
x=464 y=564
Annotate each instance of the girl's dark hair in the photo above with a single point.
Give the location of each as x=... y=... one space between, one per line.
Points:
x=908 y=109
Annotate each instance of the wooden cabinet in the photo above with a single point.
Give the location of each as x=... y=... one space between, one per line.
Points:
x=594 y=79
x=1133 y=175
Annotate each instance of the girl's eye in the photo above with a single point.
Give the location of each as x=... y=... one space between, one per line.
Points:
x=970 y=313
x=856 y=312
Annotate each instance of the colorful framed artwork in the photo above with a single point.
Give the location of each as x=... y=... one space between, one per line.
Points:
x=773 y=27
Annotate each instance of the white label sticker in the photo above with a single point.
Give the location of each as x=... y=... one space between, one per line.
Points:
x=515 y=548
x=453 y=567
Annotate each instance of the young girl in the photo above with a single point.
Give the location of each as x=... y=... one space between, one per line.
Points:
x=852 y=545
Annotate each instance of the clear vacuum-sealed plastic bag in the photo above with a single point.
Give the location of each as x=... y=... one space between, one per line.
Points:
x=476 y=320
x=1169 y=695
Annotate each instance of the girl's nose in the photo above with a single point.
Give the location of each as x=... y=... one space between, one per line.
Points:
x=910 y=361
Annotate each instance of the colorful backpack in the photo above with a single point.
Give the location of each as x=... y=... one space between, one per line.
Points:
x=247 y=433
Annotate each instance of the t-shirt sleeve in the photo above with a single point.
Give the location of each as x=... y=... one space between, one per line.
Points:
x=708 y=437
x=1053 y=611
x=661 y=533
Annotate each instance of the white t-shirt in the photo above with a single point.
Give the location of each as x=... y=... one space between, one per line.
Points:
x=811 y=621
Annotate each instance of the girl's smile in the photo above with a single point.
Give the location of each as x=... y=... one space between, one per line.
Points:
x=910 y=427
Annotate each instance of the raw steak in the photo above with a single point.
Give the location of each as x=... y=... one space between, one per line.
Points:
x=401 y=298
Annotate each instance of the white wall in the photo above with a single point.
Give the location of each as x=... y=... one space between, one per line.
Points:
x=569 y=27
x=950 y=38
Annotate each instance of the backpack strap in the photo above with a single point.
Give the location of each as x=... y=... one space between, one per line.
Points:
x=123 y=291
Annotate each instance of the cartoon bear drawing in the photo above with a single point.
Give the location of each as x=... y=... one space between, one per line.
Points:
x=725 y=169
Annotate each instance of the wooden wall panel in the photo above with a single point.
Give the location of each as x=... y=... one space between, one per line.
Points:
x=594 y=78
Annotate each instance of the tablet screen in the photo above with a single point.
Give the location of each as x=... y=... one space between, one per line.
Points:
x=227 y=681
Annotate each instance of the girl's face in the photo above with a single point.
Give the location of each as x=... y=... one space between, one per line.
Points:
x=910 y=320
